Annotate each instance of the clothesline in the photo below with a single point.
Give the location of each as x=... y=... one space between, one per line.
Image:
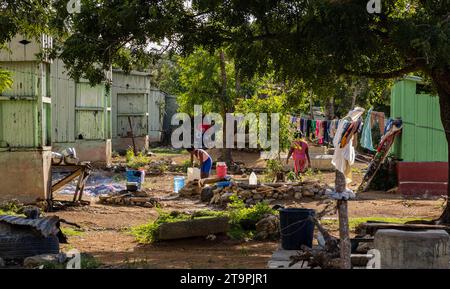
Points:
x=325 y=130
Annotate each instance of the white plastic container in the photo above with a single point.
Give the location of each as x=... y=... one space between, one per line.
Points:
x=193 y=174
x=253 y=179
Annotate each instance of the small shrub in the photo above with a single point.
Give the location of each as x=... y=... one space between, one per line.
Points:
x=136 y=161
x=273 y=167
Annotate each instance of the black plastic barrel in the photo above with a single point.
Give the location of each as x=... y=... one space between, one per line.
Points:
x=296 y=228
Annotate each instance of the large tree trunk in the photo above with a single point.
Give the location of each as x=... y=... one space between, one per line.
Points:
x=441 y=78
x=226 y=152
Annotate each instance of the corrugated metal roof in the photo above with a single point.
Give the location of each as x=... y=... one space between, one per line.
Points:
x=47 y=226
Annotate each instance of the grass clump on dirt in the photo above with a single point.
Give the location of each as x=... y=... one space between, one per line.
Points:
x=136 y=161
x=69 y=232
x=243 y=219
x=148 y=233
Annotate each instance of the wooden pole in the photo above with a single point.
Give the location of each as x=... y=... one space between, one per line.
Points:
x=344 y=235
x=132 y=135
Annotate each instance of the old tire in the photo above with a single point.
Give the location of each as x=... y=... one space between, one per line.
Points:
x=22 y=246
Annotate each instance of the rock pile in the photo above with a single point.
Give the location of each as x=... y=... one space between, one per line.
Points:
x=252 y=194
x=268 y=228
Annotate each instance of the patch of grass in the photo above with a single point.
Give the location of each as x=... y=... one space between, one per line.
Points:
x=168 y=151
x=69 y=232
x=13 y=208
x=238 y=212
x=354 y=222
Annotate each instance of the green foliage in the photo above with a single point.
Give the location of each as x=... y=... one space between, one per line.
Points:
x=238 y=212
x=199 y=82
x=11 y=208
x=270 y=101
x=273 y=167
x=138 y=161
x=5 y=80
x=291 y=176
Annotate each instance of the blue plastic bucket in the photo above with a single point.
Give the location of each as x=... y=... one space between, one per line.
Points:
x=296 y=228
x=136 y=176
x=178 y=184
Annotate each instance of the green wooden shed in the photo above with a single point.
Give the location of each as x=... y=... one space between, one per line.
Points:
x=25 y=120
x=423 y=137
x=422 y=146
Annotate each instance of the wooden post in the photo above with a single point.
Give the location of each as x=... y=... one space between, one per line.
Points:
x=344 y=235
x=132 y=135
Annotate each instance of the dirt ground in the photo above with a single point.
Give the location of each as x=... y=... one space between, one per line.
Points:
x=105 y=228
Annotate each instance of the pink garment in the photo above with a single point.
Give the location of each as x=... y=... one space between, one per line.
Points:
x=319 y=131
x=300 y=147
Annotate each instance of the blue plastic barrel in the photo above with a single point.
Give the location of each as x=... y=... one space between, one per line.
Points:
x=178 y=184
x=296 y=228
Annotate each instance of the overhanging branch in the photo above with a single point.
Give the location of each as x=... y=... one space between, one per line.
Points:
x=387 y=74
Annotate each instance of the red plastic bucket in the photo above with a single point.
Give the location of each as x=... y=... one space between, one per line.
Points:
x=221 y=170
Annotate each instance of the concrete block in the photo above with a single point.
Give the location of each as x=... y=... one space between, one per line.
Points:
x=25 y=175
x=95 y=151
x=413 y=249
x=319 y=150
x=121 y=144
x=193 y=228
x=321 y=162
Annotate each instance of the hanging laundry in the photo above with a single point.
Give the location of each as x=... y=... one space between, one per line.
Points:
x=366 y=137
x=344 y=157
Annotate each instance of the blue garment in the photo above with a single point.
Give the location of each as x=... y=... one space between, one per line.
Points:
x=366 y=136
x=206 y=166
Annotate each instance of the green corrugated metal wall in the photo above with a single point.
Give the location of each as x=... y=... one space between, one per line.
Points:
x=423 y=138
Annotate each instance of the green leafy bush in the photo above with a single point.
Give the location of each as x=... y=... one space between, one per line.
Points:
x=273 y=167
x=239 y=213
x=136 y=161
